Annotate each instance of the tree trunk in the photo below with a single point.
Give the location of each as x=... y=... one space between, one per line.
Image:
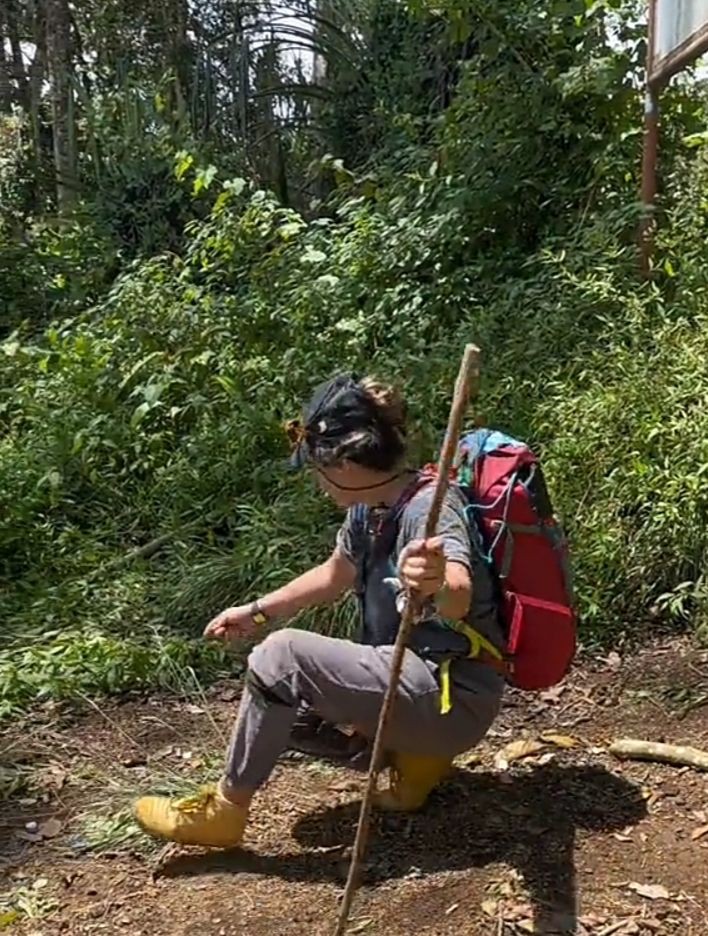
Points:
x=62 y=98
x=326 y=12
x=36 y=77
x=13 y=16
x=5 y=86
x=13 y=79
x=178 y=58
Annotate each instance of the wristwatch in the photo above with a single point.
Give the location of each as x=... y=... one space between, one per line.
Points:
x=258 y=616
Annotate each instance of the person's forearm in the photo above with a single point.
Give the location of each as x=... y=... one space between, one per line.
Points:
x=453 y=605
x=454 y=599
x=318 y=586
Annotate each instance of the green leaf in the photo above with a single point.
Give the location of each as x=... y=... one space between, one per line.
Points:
x=139 y=414
x=221 y=202
x=203 y=179
x=327 y=279
x=694 y=140
x=313 y=256
x=290 y=229
x=152 y=392
x=227 y=383
x=235 y=186
x=8 y=917
x=137 y=367
x=183 y=163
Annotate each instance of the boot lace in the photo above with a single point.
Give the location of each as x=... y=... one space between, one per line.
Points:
x=198 y=802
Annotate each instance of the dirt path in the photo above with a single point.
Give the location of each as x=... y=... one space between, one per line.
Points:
x=566 y=840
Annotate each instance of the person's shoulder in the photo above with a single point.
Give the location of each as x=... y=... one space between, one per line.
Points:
x=453 y=494
x=421 y=500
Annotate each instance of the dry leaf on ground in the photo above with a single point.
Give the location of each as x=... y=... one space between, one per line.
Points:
x=360 y=926
x=468 y=759
x=50 y=828
x=489 y=907
x=53 y=778
x=559 y=740
x=650 y=891
x=553 y=694
x=517 y=750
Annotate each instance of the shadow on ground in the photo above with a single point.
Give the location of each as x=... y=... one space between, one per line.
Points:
x=528 y=821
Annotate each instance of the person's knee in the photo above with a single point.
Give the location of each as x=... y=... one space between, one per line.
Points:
x=274 y=656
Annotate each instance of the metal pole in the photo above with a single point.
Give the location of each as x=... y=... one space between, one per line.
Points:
x=647 y=224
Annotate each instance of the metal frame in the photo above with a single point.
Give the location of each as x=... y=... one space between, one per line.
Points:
x=658 y=74
x=659 y=71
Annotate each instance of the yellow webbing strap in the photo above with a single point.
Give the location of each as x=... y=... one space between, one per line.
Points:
x=478 y=643
x=445 y=693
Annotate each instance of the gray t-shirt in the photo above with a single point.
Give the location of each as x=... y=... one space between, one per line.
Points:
x=432 y=638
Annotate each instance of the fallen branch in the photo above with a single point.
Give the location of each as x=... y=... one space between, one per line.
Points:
x=680 y=755
x=146 y=551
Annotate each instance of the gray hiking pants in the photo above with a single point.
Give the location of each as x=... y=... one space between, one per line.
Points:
x=344 y=683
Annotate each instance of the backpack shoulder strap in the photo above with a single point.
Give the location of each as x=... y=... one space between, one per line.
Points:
x=359 y=514
x=388 y=529
x=359 y=526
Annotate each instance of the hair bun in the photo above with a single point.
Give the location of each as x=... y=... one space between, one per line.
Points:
x=389 y=403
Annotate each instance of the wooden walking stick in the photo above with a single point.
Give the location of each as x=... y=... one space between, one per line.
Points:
x=467 y=377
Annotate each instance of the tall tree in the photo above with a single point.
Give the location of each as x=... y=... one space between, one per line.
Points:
x=59 y=60
x=5 y=85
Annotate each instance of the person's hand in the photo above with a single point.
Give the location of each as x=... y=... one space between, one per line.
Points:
x=421 y=567
x=231 y=624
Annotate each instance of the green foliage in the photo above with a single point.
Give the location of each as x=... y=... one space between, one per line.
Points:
x=142 y=480
x=70 y=663
x=53 y=269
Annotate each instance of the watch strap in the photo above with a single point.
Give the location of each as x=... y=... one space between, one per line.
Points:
x=258 y=615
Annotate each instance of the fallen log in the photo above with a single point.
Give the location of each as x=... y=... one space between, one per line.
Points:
x=677 y=754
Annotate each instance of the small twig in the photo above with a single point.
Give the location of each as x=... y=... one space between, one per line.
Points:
x=109 y=720
x=132 y=741
x=613 y=928
x=680 y=755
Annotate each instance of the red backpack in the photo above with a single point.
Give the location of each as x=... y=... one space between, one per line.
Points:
x=513 y=525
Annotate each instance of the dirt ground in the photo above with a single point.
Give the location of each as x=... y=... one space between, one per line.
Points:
x=553 y=835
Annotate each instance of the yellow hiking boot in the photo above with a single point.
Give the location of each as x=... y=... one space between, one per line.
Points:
x=411 y=780
x=207 y=818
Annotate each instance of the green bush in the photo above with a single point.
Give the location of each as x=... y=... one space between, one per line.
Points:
x=148 y=415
